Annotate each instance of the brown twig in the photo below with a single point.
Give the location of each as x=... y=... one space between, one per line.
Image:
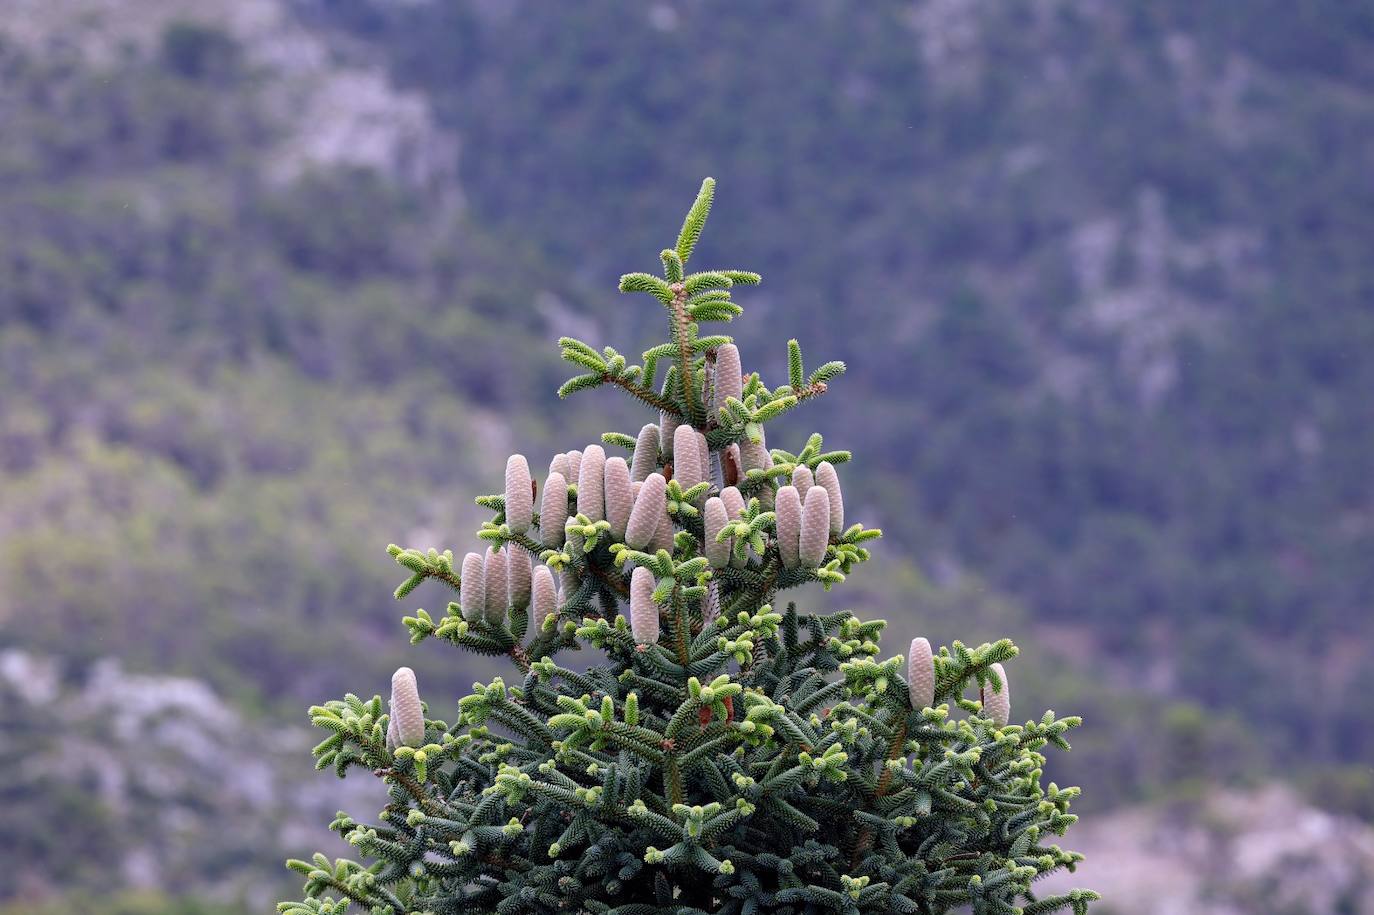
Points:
x=642 y=394
x=448 y=578
x=681 y=323
x=412 y=788
x=893 y=751
x=884 y=781
x=614 y=583
x=673 y=775
x=769 y=578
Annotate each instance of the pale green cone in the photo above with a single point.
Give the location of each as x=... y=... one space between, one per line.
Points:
x=704 y=457
x=472 y=591
x=920 y=674
x=648 y=508
x=687 y=468
x=407 y=725
x=827 y=477
x=517 y=578
x=591 y=499
x=497 y=586
x=618 y=495
x=553 y=510
x=714 y=520
x=543 y=596
x=567 y=585
x=789 y=511
x=815 y=527
x=997 y=704
x=754 y=456
x=663 y=534
x=729 y=375
x=667 y=429
x=645 y=458
x=643 y=610
x=519 y=494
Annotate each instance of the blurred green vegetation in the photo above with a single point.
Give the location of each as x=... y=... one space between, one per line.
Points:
x=1100 y=272
x=225 y=393
x=124 y=904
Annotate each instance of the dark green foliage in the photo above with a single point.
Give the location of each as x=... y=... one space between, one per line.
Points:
x=720 y=755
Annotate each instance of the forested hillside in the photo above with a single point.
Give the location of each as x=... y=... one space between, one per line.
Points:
x=1100 y=271
x=204 y=377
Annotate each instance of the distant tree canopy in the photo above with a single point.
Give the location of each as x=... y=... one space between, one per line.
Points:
x=1108 y=260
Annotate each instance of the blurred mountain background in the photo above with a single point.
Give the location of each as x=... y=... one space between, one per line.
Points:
x=280 y=278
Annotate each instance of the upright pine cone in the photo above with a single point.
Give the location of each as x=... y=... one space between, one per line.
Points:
x=714 y=520
x=472 y=591
x=553 y=509
x=574 y=466
x=755 y=456
x=663 y=536
x=643 y=609
x=496 y=589
x=815 y=527
x=519 y=494
x=667 y=429
x=703 y=455
x=789 y=510
x=997 y=703
x=687 y=467
x=827 y=477
x=544 y=595
x=758 y=457
x=591 y=499
x=645 y=458
x=568 y=584
x=729 y=375
x=619 y=496
x=920 y=674
x=406 y=727
x=647 y=512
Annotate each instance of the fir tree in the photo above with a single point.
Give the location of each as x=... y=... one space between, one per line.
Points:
x=726 y=752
